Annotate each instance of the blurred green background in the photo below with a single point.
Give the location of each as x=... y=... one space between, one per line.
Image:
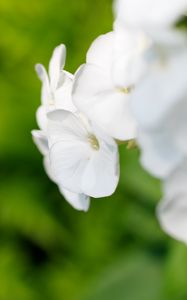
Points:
x=117 y=250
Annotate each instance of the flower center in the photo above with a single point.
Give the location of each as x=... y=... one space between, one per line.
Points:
x=93 y=142
x=125 y=90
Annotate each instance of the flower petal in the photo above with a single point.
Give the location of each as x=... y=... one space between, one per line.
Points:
x=46 y=92
x=47 y=168
x=78 y=201
x=129 y=63
x=40 y=140
x=68 y=162
x=172 y=214
x=163 y=87
x=56 y=66
x=172 y=210
x=101 y=51
x=108 y=107
x=63 y=95
x=161 y=13
x=159 y=154
x=41 y=118
x=101 y=175
x=69 y=149
x=65 y=126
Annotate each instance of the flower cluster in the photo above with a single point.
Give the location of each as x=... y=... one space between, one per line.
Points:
x=158 y=100
x=79 y=156
x=132 y=86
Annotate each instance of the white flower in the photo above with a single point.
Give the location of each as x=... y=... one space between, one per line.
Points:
x=56 y=93
x=130 y=62
x=149 y=14
x=83 y=159
x=172 y=210
x=97 y=95
x=56 y=88
x=159 y=106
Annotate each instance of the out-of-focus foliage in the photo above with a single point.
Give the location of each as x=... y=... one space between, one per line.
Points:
x=48 y=250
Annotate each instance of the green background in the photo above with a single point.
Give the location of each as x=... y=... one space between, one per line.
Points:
x=117 y=250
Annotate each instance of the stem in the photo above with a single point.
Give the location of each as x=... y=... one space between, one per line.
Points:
x=130 y=144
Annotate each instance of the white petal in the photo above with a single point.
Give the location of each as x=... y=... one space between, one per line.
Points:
x=129 y=63
x=176 y=182
x=101 y=175
x=162 y=88
x=175 y=122
x=68 y=162
x=172 y=210
x=159 y=152
x=101 y=51
x=47 y=167
x=42 y=74
x=56 y=66
x=41 y=118
x=149 y=14
x=78 y=201
x=65 y=126
x=172 y=214
x=168 y=37
x=63 y=95
x=69 y=149
x=41 y=141
x=95 y=95
x=164 y=147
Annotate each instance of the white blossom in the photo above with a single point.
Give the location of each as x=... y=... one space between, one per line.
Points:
x=132 y=86
x=96 y=94
x=56 y=93
x=149 y=14
x=159 y=106
x=83 y=159
x=130 y=61
x=172 y=210
x=56 y=88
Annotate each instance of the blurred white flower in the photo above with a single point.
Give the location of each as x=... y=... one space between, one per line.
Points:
x=83 y=159
x=172 y=210
x=160 y=153
x=159 y=106
x=96 y=94
x=149 y=14
x=130 y=61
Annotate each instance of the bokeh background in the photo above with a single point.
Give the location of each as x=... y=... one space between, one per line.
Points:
x=117 y=250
